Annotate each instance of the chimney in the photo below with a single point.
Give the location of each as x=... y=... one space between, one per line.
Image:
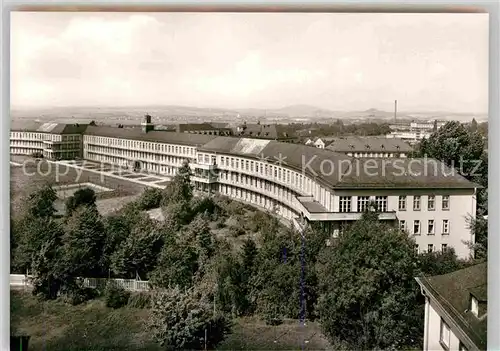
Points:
x=395 y=110
x=147 y=126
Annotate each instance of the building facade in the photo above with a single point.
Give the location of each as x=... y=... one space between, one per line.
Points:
x=300 y=183
x=55 y=141
x=414 y=131
x=456 y=310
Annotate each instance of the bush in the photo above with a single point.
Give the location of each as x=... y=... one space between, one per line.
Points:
x=78 y=296
x=149 y=199
x=139 y=300
x=235 y=231
x=116 y=296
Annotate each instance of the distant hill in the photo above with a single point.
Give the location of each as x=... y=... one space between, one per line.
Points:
x=184 y=114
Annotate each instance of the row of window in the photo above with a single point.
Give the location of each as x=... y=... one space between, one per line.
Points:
x=430 y=247
x=431 y=227
x=268 y=186
x=139 y=155
x=345 y=203
x=266 y=170
x=431 y=203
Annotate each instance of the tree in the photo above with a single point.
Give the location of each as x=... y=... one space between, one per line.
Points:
x=473 y=126
x=275 y=285
x=368 y=293
x=479 y=230
x=454 y=145
x=177 y=264
x=149 y=199
x=81 y=197
x=440 y=262
x=83 y=243
x=41 y=202
x=180 y=320
x=179 y=189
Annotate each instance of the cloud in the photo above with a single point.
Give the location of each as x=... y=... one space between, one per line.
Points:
x=338 y=61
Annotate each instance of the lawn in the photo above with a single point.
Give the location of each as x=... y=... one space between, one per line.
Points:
x=56 y=326
x=24 y=181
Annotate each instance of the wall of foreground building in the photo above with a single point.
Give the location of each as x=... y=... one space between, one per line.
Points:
x=432 y=331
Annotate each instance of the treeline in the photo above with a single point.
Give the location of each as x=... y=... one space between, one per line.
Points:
x=361 y=288
x=338 y=128
x=463 y=147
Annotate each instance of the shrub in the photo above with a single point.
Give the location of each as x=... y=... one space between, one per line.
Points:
x=235 y=231
x=139 y=300
x=116 y=296
x=77 y=296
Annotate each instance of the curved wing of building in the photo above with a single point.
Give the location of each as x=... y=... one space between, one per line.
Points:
x=302 y=184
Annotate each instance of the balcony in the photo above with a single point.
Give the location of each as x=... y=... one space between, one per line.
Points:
x=205 y=179
x=314 y=211
x=204 y=166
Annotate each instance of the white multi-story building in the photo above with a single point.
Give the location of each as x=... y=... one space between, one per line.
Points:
x=415 y=131
x=456 y=310
x=49 y=140
x=302 y=184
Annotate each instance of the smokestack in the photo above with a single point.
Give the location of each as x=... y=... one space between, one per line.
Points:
x=395 y=109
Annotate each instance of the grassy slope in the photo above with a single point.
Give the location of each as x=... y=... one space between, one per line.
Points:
x=56 y=326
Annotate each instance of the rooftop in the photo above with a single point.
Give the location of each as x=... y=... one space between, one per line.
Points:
x=155 y=135
x=403 y=173
x=367 y=144
x=49 y=127
x=452 y=291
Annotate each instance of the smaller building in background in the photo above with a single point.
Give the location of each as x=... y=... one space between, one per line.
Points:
x=414 y=131
x=370 y=147
x=204 y=128
x=278 y=132
x=456 y=309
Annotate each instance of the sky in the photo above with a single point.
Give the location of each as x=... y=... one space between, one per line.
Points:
x=428 y=62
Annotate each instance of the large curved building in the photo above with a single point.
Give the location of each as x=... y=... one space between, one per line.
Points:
x=301 y=183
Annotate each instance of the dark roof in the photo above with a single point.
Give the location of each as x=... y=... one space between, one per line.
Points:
x=355 y=173
x=157 y=135
x=194 y=127
x=49 y=127
x=265 y=131
x=367 y=144
x=452 y=291
x=296 y=156
x=403 y=173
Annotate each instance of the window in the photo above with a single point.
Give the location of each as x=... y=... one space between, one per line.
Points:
x=444 y=337
x=345 y=204
x=381 y=202
x=402 y=203
x=416 y=227
x=444 y=247
x=474 y=307
x=430 y=227
x=416 y=203
x=363 y=203
x=416 y=248
x=431 y=203
x=430 y=248
x=402 y=225
x=446 y=202
x=446 y=227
